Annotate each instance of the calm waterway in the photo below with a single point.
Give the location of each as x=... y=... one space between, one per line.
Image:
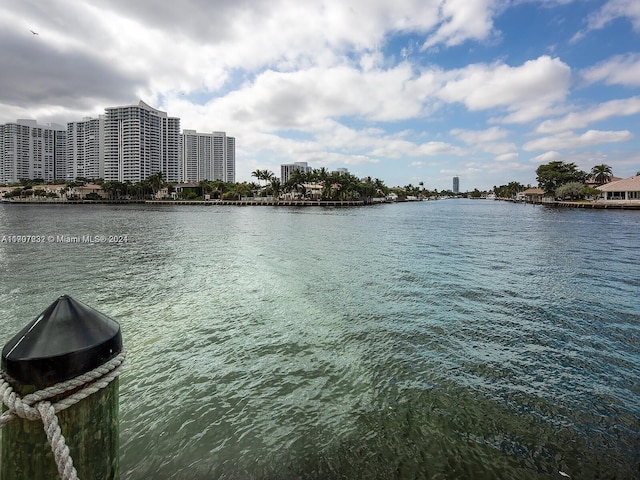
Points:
x=454 y=339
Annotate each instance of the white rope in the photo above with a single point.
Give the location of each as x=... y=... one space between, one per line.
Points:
x=64 y=462
x=37 y=405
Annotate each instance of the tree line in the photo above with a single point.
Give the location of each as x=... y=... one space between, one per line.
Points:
x=562 y=180
x=319 y=184
x=315 y=184
x=558 y=179
x=566 y=181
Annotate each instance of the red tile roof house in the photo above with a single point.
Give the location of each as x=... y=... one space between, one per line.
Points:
x=625 y=191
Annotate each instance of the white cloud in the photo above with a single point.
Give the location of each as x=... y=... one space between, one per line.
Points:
x=197 y=46
x=487 y=141
x=547 y=157
x=568 y=140
x=302 y=99
x=390 y=148
x=507 y=157
x=472 y=137
x=324 y=81
x=528 y=91
x=616 y=9
x=423 y=164
x=581 y=119
x=618 y=70
x=462 y=20
x=609 y=12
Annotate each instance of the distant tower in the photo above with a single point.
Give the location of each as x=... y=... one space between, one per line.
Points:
x=456 y=185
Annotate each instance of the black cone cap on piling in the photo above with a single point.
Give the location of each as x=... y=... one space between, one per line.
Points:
x=66 y=340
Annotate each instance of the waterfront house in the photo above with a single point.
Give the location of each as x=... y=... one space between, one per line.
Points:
x=162 y=193
x=533 y=195
x=87 y=191
x=55 y=191
x=625 y=190
x=591 y=181
x=35 y=192
x=392 y=197
x=187 y=190
x=5 y=190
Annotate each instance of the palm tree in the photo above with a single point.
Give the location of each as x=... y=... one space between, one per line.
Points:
x=322 y=174
x=367 y=189
x=265 y=175
x=157 y=182
x=268 y=176
x=258 y=174
x=242 y=190
x=218 y=188
x=205 y=187
x=601 y=174
x=380 y=187
x=276 y=187
x=296 y=183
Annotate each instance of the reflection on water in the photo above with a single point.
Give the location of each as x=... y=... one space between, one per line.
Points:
x=452 y=339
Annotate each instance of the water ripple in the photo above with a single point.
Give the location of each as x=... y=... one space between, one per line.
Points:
x=456 y=339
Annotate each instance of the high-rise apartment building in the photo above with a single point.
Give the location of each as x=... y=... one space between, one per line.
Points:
x=287 y=169
x=60 y=154
x=141 y=141
x=456 y=185
x=230 y=159
x=127 y=144
x=85 y=149
x=31 y=151
x=208 y=156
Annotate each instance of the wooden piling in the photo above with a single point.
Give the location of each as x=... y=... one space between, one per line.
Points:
x=67 y=340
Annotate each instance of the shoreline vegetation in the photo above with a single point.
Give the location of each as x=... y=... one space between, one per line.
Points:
x=313 y=203
x=560 y=184
x=314 y=187
x=265 y=202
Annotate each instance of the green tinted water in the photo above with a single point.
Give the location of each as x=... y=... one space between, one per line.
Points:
x=451 y=339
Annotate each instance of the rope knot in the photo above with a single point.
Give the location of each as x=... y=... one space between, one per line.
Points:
x=38 y=405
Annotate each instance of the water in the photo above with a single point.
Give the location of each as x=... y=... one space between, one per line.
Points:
x=453 y=339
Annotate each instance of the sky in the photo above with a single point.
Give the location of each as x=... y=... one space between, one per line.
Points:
x=406 y=91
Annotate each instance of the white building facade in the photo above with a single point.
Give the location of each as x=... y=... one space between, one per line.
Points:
x=85 y=149
x=140 y=141
x=287 y=169
x=31 y=151
x=208 y=156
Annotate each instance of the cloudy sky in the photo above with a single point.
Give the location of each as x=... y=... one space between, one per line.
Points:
x=402 y=90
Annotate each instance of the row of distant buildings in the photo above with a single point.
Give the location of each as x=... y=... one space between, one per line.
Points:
x=127 y=144
x=287 y=170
